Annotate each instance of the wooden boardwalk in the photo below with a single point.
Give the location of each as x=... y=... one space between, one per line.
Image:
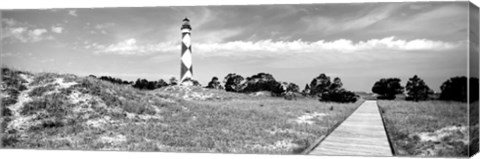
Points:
x=361 y=134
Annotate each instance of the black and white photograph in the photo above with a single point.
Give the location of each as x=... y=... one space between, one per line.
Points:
x=371 y=79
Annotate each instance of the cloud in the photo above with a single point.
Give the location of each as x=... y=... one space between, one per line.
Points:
x=25 y=35
x=6 y=54
x=23 y=32
x=274 y=48
x=57 y=29
x=131 y=47
x=9 y=22
x=73 y=13
x=265 y=48
x=363 y=19
x=98 y=28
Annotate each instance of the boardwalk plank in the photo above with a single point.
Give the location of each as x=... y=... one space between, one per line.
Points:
x=361 y=134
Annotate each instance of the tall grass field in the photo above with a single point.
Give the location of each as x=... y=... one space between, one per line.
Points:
x=427 y=128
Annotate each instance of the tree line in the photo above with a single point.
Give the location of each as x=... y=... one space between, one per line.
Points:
x=454 y=89
x=322 y=86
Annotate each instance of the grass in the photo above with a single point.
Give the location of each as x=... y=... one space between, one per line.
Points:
x=473 y=122
x=90 y=114
x=427 y=128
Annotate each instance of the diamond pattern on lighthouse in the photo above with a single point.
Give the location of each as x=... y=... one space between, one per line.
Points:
x=186 y=40
x=187 y=58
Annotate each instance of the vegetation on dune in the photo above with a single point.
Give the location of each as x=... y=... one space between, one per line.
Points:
x=113 y=79
x=426 y=128
x=258 y=83
x=149 y=85
x=190 y=82
x=84 y=113
x=262 y=82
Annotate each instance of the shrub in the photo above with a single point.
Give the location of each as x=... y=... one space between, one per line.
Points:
x=340 y=96
x=38 y=91
x=320 y=84
x=44 y=78
x=5 y=111
x=173 y=81
x=9 y=100
x=214 y=84
x=12 y=79
x=149 y=85
x=387 y=88
x=262 y=82
x=232 y=82
x=9 y=140
x=54 y=104
x=328 y=91
x=454 y=89
x=190 y=81
x=113 y=80
x=306 y=90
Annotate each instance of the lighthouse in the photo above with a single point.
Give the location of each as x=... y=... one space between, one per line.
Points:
x=186 y=70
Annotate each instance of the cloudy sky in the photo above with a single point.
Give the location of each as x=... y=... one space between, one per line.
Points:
x=358 y=42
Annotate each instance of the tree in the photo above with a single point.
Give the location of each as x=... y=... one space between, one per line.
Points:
x=263 y=82
x=232 y=82
x=173 y=81
x=455 y=89
x=320 y=84
x=292 y=87
x=214 y=83
x=417 y=89
x=306 y=90
x=337 y=84
x=327 y=91
x=387 y=88
x=161 y=83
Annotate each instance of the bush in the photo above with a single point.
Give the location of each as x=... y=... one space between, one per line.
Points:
x=190 y=82
x=55 y=104
x=387 y=88
x=263 y=82
x=9 y=140
x=9 y=100
x=456 y=89
x=340 y=96
x=232 y=82
x=38 y=91
x=214 y=84
x=5 y=111
x=320 y=84
x=149 y=85
x=12 y=79
x=328 y=91
x=113 y=80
